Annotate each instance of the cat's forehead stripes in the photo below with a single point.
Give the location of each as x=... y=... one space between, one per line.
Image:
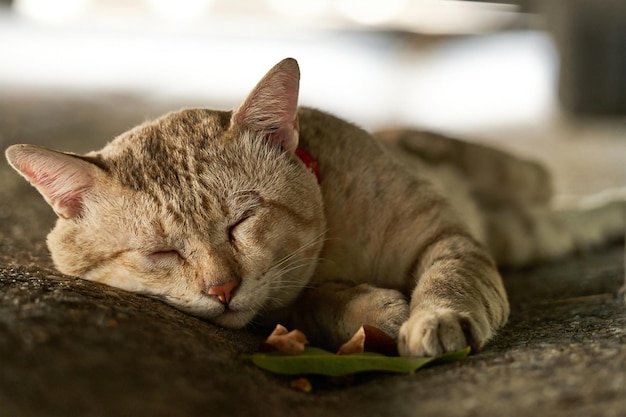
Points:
x=192 y=166
x=169 y=153
x=168 y=160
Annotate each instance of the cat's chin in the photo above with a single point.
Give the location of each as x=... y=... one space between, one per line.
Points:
x=233 y=319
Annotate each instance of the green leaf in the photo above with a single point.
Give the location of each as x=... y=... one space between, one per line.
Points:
x=321 y=362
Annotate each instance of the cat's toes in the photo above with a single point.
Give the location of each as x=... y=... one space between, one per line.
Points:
x=433 y=332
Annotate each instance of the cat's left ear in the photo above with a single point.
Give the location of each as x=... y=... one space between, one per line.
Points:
x=63 y=179
x=272 y=106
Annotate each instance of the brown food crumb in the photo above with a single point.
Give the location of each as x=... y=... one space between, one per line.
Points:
x=288 y=342
x=301 y=384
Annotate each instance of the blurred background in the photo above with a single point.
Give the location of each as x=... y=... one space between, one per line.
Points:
x=545 y=79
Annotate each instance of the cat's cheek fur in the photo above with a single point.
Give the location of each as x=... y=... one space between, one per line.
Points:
x=74 y=252
x=175 y=286
x=117 y=276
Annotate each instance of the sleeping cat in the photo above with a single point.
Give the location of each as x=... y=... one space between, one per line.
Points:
x=273 y=213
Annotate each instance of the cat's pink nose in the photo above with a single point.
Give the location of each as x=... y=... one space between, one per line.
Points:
x=224 y=292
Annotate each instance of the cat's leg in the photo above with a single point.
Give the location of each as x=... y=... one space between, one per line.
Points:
x=330 y=314
x=519 y=236
x=458 y=300
x=597 y=219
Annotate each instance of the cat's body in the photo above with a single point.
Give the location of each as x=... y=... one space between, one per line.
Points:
x=215 y=213
x=507 y=201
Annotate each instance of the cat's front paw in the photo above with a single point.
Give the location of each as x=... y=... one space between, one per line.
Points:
x=433 y=332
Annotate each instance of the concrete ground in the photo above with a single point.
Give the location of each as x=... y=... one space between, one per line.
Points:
x=74 y=348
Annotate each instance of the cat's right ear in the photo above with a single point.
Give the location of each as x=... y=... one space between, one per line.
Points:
x=272 y=106
x=62 y=179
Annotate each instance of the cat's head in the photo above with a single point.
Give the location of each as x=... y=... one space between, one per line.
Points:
x=210 y=211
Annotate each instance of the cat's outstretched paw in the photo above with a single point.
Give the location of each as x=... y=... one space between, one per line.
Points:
x=433 y=332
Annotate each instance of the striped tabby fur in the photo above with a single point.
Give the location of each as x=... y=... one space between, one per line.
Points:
x=212 y=212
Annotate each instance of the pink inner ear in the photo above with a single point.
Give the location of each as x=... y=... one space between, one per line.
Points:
x=60 y=178
x=67 y=203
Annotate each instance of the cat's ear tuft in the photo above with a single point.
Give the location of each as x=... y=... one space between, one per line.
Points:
x=272 y=106
x=62 y=179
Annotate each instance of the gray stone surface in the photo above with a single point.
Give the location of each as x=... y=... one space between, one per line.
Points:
x=74 y=348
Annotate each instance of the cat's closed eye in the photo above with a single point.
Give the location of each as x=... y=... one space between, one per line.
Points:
x=237 y=226
x=165 y=257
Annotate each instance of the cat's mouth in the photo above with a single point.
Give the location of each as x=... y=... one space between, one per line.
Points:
x=225 y=315
x=229 y=310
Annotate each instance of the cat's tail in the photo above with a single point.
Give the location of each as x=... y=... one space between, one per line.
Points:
x=528 y=235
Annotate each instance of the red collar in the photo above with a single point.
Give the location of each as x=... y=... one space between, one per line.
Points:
x=309 y=162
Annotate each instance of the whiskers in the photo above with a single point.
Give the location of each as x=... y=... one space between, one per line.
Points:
x=293 y=261
x=283 y=285
x=286 y=259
